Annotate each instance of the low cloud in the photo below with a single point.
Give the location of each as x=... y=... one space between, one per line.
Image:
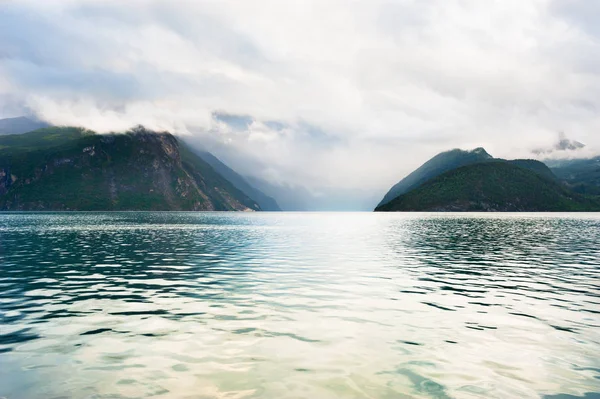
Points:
x=562 y=145
x=321 y=94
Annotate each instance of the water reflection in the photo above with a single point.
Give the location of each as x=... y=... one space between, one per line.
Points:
x=196 y=305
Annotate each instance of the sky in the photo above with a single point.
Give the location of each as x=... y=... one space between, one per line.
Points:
x=325 y=93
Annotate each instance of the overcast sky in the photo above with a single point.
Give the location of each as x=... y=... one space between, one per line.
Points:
x=320 y=93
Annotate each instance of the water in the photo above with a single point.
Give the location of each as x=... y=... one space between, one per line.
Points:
x=196 y=305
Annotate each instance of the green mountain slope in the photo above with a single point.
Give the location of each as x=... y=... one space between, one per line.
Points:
x=492 y=186
x=266 y=203
x=533 y=165
x=74 y=169
x=437 y=165
x=582 y=175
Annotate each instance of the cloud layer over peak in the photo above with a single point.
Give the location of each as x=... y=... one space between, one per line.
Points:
x=318 y=93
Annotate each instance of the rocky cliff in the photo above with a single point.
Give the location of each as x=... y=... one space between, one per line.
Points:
x=75 y=169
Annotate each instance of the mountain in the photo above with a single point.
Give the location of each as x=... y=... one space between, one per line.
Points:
x=339 y=199
x=582 y=175
x=320 y=199
x=20 y=124
x=493 y=186
x=70 y=168
x=289 y=198
x=265 y=202
x=437 y=165
x=535 y=166
x=562 y=145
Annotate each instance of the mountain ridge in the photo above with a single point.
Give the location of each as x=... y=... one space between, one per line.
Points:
x=435 y=166
x=20 y=124
x=497 y=186
x=266 y=202
x=582 y=175
x=66 y=168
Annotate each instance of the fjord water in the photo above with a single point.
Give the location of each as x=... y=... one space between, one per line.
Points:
x=276 y=305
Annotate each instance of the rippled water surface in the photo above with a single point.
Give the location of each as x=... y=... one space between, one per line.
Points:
x=274 y=305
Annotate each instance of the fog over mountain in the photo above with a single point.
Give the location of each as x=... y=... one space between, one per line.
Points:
x=562 y=148
x=336 y=94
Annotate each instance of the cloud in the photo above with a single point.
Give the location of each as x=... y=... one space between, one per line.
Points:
x=318 y=93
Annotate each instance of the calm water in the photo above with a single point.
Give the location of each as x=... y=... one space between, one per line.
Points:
x=195 y=305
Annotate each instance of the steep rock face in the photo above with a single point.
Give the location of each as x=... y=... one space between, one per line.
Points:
x=497 y=186
x=74 y=169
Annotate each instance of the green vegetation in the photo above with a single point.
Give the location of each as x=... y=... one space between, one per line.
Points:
x=494 y=186
x=65 y=168
x=437 y=165
x=534 y=166
x=266 y=203
x=582 y=175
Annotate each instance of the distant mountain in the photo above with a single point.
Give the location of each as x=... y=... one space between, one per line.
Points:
x=289 y=198
x=321 y=199
x=75 y=169
x=437 y=165
x=566 y=144
x=266 y=203
x=339 y=199
x=493 y=186
x=20 y=124
x=563 y=144
x=582 y=175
